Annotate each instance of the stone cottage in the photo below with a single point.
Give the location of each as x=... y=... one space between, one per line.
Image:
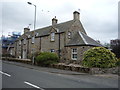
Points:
x=68 y=39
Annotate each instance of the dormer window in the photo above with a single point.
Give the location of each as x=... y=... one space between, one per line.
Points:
x=69 y=35
x=33 y=39
x=52 y=36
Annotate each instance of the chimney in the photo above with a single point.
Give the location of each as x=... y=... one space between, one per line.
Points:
x=54 y=21
x=76 y=15
x=26 y=30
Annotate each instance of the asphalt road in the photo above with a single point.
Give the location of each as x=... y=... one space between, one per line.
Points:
x=15 y=76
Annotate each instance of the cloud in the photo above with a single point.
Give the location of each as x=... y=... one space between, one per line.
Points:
x=99 y=17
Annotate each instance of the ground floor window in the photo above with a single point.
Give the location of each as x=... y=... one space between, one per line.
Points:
x=52 y=50
x=74 y=53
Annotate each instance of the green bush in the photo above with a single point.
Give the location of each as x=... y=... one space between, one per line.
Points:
x=46 y=58
x=118 y=62
x=99 y=57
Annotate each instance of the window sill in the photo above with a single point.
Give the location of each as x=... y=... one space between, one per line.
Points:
x=74 y=59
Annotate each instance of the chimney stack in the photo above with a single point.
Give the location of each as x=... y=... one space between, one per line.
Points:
x=76 y=15
x=54 y=21
x=26 y=30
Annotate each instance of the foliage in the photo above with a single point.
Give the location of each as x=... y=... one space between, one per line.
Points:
x=99 y=57
x=46 y=58
x=118 y=62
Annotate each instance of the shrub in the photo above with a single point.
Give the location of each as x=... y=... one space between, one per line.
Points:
x=46 y=58
x=118 y=62
x=99 y=57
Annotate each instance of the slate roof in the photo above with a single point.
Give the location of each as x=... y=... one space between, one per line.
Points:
x=46 y=30
x=61 y=26
x=81 y=39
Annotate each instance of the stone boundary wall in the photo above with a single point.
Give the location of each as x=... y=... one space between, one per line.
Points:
x=114 y=70
x=27 y=61
x=78 y=68
x=72 y=67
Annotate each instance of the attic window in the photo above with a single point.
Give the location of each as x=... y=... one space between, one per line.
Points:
x=52 y=36
x=33 y=39
x=69 y=35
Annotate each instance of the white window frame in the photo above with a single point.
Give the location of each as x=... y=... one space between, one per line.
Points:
x=74 y=52
x=52 y=36
x=33 y=39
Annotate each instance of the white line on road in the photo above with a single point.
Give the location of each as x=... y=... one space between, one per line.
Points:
x=5 y=74
x=33 y=85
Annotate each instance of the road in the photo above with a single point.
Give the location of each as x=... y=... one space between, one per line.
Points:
x=15 y=76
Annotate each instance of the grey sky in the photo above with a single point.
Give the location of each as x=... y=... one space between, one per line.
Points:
x=99 y=17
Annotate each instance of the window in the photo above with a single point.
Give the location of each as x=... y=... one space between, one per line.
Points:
x=36 y=34
x=52 y=50
x=74 y=54
x=52 y=36
x=33 y=39
x=19 y=42
x=69 y=35
x=28 y=36
x=24 y=41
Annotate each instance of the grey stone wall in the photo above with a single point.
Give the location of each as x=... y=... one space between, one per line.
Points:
x=68 y=53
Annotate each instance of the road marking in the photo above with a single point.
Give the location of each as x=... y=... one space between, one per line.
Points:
x=33 y=85
x=5 y=74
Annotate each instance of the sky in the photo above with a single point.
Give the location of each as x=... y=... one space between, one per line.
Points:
x=99 y=17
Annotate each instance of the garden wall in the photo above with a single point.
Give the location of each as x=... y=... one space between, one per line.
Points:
x=72 y=67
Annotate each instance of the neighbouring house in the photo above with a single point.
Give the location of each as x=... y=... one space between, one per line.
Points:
x=68 y=39
x=8 y=43
x=115 y=46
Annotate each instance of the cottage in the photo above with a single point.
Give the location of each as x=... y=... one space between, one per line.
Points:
x=68 y=39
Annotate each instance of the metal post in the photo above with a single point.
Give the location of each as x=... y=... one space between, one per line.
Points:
x=33 y=61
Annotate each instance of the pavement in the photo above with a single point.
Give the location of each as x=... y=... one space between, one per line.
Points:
x=19 y=75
